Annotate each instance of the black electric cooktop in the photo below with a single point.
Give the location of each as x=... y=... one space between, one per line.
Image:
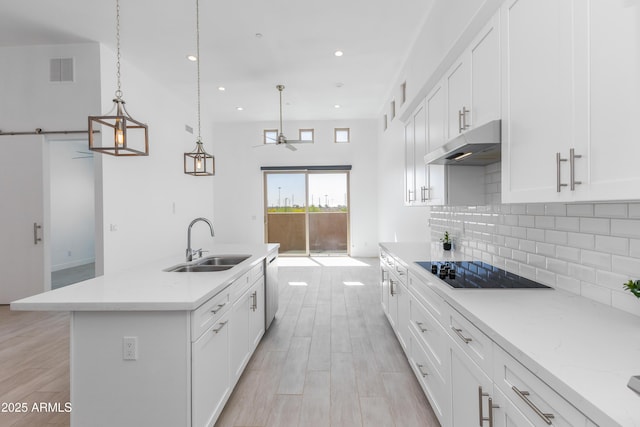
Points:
x=477 y=275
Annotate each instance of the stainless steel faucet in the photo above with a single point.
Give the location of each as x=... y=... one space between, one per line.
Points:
x=191 y=252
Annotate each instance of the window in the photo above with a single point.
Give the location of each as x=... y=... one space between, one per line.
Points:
x=384 y=122
x=305 y=135
x=341 y=135
x=393 y=109
x=270 y=136
x=403 y=93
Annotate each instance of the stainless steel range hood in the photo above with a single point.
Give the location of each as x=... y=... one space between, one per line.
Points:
x=476 y=147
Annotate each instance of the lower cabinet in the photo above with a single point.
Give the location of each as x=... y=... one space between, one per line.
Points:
x=210 y=382
x=256 y=314
x=468 y=379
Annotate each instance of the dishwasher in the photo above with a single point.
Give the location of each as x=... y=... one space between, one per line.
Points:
x=272 y=290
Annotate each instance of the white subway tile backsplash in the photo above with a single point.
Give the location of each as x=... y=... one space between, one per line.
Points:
x=589 y=249
x=596 y=259
x=613 y=245
x=585 y=241
x=611 y=210
x=625 y=227
x=595 y=225
x=580 y=210
x=596 y=293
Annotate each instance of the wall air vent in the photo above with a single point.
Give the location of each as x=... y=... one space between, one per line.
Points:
x=61 y=70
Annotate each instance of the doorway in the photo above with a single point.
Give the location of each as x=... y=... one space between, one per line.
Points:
x=307 y=211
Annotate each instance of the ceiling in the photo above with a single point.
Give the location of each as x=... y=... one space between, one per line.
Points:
x=295 y=47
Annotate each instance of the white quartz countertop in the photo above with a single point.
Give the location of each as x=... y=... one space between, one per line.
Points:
x=584 y=350
x=148 y=287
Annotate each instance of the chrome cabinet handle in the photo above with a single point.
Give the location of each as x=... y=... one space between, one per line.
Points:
x=254 y=301
x=572 y=170
x=523 y=395
x=219 y=328
x=423 y=373
x=423 y=194
x=218 y=308
x=36 y=239
x=422 y=329
x=491 y=407
x=391 y=287
x=559 y=160
x=462 y=337
x=462 y=119
x=409 y=198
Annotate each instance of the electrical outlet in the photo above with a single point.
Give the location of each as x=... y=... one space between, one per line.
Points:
x=129 y=348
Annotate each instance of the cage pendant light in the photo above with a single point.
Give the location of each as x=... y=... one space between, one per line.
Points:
x=121 y=135
x=198 y=162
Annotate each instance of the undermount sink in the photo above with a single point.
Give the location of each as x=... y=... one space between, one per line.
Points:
x=209 y=264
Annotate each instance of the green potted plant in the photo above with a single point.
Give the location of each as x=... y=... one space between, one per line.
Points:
x=633 y=287
x=446 y=241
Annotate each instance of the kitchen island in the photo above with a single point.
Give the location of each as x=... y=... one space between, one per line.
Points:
x=152 y=347
x=564 y=353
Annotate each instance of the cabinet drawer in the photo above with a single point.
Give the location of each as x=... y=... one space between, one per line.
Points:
x=429 y=377
x=208 y=313
x=477 y=345
x=432 y=301
x=240 y=285
x=535 y=399
x=257 y=272
x=434 y=339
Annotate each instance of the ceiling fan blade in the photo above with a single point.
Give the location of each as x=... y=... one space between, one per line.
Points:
x=290 y=147
x=298 y=141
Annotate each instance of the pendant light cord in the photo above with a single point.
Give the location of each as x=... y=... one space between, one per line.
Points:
x=119 y=90
x=198 y=62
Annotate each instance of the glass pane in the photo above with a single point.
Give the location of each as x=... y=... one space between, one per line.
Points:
x=306 y=134
x=328 y=213
x=286 y=212
x=270 y=136
x=342 y=135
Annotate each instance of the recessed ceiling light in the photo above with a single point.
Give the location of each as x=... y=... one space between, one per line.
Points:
x=339 y=84
x=338 y=53
x=239 y=108
x=192 y=58
x=222 y=88
x=336 y=106
x=258 y=35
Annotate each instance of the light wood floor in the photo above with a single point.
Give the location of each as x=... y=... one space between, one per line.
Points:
x=329 y=359
x=34 y=366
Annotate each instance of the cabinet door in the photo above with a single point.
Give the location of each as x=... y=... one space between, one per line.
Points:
x=420 y=149
x=485 y=74
x=614 y=105
x=256 y=314
x=384 y=286
x=409 y=164
x=436 y=137
x=403 y=316
x=239 y=334
x=538 y=104
x=458 y=81
x=210 y=373
x=468 y=382
x=392 y=314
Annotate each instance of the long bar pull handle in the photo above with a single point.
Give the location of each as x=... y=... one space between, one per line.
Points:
x=219 y=328
x=459 y=121
x=422 y=328
x=423 y=194
x=409 y=197
x=559 y=160
x=392 y=287
x=572 y=169
x=218 y=308
x=523 y=395
x=465 y=126
x=462 y=337
x=36 y=239
x=491 y=407
x=423 y=373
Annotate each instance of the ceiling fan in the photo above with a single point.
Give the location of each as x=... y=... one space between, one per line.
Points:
x=281 y=139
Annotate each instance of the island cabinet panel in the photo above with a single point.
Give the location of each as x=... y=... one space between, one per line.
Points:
x=154 y=389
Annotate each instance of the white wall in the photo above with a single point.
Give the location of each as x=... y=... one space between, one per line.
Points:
x=72 y=204
x=148 y=202
x=239 y=203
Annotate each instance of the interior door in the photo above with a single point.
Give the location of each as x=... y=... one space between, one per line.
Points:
x=23 y=234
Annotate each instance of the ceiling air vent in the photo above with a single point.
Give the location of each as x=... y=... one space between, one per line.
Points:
x=61 y=70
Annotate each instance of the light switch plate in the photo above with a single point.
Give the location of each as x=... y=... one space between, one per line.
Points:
x=634 y=384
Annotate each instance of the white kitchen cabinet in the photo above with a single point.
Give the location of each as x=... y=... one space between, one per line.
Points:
x=484 y=57
x=421 y=147
x=402 y=317
x=540 y=110
x=409 y=165
x=256 y=314
x=239 y=332
x=614 y=100
x=384 y=283
x=210 y=383
x=436 y=137
x=506 y=414
x=458 y=89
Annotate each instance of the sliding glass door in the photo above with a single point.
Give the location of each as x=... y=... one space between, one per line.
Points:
x=307 y=211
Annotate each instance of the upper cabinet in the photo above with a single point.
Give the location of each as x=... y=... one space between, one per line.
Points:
x=570 y=90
